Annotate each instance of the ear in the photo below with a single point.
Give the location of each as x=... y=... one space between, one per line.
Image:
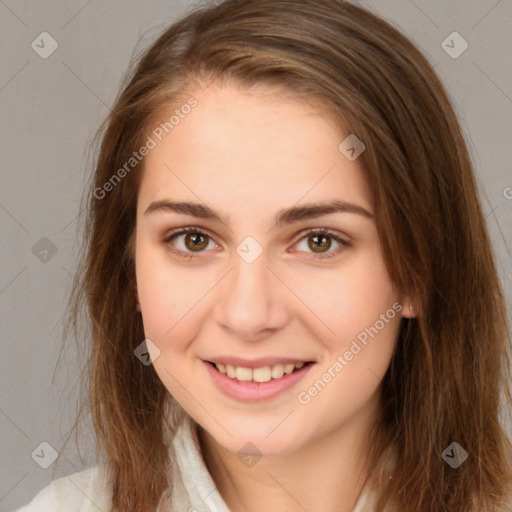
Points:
x=409 y=309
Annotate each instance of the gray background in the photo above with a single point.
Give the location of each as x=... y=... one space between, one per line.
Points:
x=51 y=109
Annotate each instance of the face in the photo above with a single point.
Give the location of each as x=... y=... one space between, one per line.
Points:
x=263 y=283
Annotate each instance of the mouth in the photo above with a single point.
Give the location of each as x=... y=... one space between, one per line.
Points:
x=262 y=374
x=257 y=382
x=256 y=379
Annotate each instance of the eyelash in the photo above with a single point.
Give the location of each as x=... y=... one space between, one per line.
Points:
x=307 y=234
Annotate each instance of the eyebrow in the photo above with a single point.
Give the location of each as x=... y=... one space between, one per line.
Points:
x=284 y=216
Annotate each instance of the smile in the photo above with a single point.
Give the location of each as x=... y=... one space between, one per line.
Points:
x=262 y=374
x=258 y=383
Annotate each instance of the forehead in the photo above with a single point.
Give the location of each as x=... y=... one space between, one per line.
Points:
x=252 y=146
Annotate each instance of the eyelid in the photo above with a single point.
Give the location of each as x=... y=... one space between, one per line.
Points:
x=187 y=229
x=321 y=231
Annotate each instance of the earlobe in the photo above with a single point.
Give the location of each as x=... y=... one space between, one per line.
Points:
x=409 y=310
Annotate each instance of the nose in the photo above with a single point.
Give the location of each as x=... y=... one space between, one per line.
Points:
x=253 y=302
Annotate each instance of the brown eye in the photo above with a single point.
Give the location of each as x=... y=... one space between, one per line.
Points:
x=319 y=243
x=196 y=241
x=187 y=241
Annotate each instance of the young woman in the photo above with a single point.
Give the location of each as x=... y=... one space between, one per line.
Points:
x=293 y=296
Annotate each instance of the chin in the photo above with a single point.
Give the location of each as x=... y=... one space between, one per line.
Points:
x=257 y=441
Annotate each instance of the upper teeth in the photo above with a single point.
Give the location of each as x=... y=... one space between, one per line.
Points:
x=263 y=374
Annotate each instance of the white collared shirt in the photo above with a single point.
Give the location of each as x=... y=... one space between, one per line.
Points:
x=193 y=487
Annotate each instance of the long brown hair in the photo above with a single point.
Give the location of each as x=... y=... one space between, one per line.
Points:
x=447 y=381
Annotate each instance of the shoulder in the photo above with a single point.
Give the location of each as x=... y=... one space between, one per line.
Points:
x=83 y=491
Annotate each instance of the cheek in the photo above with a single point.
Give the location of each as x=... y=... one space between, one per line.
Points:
x=166 y=292
x=345 y=301
x=173 y=308
x=352 y=372
x=158 y=302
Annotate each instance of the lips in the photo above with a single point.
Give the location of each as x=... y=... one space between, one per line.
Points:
x=255 y=382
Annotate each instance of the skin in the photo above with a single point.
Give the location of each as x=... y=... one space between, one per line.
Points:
x=247 y=154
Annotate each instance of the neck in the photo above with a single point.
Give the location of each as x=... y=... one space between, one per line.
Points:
x=326 y=474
